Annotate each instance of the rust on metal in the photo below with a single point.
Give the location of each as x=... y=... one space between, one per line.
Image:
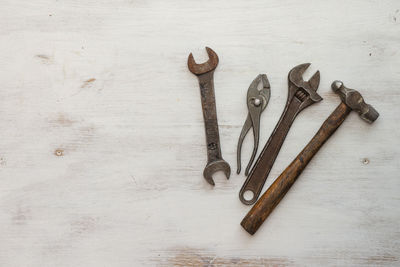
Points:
x=205 y=75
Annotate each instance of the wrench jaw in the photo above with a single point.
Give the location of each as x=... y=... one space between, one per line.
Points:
x=304 y=91
x=215 y=166
x=210 y=65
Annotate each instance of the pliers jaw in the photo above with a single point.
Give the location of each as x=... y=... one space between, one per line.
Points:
x=257 y=101
x=255 y=97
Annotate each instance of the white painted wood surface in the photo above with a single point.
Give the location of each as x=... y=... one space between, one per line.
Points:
x=103 y=147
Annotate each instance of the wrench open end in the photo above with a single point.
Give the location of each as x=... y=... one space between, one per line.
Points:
x=296 y=74
x=314 y=81
x=310 y=86
x=215 y=166
x=208 y=66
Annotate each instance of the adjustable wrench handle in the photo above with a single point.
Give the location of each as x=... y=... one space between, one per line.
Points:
x=206 y=82
x=274 y=194
x=258 y=175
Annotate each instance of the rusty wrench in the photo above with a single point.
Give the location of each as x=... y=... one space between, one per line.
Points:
x=205 y=74
x=301 y=95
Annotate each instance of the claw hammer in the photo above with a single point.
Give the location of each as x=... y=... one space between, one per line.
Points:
x=351 y=100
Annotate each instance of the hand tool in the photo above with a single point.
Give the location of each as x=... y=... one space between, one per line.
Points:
x=351 y=100
x=205 y=74
x=257 y=100
x=301 y=95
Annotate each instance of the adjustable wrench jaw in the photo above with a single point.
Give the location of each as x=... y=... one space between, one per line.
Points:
x=305 y=91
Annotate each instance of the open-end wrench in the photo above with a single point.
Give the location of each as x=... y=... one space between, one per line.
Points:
x=205 y=74
x=301 y=95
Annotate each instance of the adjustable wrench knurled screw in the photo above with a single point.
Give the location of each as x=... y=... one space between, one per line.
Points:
x=205 y=74
x=301 y=95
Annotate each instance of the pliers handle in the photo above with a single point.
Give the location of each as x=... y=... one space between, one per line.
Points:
x=257 y=101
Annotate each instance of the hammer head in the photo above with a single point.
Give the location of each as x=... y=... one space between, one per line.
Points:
x=355 y=101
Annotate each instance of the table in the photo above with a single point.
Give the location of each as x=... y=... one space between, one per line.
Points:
x=103 y=143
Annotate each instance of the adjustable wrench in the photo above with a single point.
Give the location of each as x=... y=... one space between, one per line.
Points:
x=301 y=95
x=205 y=74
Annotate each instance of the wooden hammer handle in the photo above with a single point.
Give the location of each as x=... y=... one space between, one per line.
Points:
x=268 y=201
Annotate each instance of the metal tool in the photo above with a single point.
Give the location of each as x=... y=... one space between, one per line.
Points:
x=205 y=74
x=301 y=95
x=351 y=100
x=257 y=100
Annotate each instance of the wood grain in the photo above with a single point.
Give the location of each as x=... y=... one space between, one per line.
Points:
x=102 y=147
